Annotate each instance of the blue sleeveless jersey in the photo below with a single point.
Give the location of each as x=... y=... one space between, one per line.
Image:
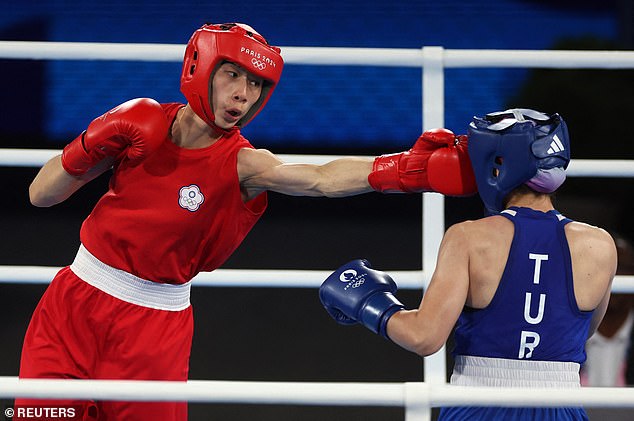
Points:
x=534 y=313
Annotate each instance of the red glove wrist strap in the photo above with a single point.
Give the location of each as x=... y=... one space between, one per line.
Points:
x=384 y=177
x=75 y=160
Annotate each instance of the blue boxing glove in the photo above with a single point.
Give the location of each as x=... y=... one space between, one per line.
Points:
x=356 y=293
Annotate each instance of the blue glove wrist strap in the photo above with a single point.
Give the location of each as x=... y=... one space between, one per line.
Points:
x=377 y=311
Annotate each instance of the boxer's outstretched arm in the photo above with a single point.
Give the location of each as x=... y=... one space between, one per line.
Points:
x=438 y=162
x=260 y=170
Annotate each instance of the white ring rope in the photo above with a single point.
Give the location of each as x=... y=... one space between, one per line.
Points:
x=313 y=393
x=393 y=57
x=261 y=278
x=15 y=157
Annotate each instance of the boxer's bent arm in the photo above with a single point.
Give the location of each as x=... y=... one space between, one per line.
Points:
x=426 y=329
x=260 y=170
x=53 y=184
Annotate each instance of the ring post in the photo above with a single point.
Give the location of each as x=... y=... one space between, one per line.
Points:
x=417 y=402
x=433 y=203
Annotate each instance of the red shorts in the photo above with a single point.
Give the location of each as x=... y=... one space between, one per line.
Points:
x=80 y=332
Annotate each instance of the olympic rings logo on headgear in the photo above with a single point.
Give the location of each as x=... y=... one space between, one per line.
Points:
x=258 y=64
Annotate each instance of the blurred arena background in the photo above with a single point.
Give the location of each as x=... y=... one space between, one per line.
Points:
x=284 y=334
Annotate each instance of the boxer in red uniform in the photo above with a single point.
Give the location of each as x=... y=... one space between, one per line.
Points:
x=186 y=188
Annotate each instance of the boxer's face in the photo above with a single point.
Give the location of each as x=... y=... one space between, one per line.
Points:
x=234 y=91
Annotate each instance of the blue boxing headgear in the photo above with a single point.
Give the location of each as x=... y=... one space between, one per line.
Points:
x=517 y=146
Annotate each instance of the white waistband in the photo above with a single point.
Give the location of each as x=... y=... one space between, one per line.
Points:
x=500 y=372
x=127 y=287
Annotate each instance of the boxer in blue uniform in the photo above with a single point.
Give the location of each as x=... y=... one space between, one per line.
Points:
x=524 y=287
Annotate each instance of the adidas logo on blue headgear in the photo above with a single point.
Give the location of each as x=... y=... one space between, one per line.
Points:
x=513 y=147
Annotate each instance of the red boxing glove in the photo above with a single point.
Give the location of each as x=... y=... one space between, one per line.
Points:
x=134 y=130
x=437 y=162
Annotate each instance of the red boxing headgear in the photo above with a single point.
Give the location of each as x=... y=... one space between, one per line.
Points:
x=212 y=45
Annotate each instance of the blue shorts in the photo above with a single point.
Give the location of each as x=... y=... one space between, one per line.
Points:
x=473 y=413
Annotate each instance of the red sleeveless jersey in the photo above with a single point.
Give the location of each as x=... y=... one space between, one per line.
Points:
x=177 y=213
